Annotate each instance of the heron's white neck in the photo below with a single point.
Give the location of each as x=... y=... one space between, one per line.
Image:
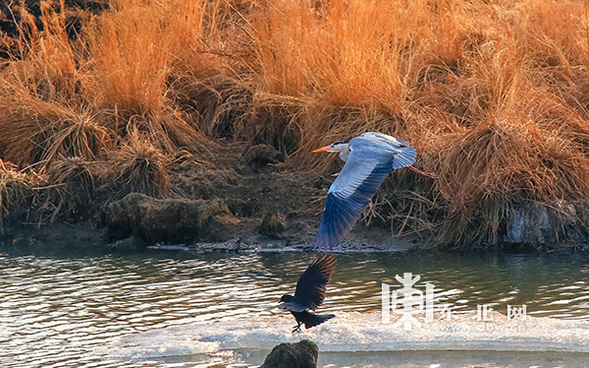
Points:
x=344 y=151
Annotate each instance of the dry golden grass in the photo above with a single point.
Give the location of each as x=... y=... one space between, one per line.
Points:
x=493 y=95
x=40 y=131
x=70 y=195
x=138 y=166
x=44 y=114
x=132 y=53
x=16 y=186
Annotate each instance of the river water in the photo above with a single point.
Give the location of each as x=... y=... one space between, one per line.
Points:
x=172 y=308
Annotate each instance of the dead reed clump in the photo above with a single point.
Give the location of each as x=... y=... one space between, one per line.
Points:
x=346 y=52
x=16 y=187
x=70 y=193
x=209 y=82
x=129 y=59
x=38 y=132
x=44 y=115
x=133 y=50
x=219 y=106
x=139 y=166
x=490 y=172
x=277 y=126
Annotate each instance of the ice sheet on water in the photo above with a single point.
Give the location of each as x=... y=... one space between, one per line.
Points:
x=162 y=343
x=352 y=331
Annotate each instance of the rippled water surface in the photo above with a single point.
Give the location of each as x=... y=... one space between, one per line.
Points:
x=57 y=307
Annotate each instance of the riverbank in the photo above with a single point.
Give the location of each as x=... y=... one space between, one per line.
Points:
x=237 y=197
x=242 y=204
x=232 y=198
x=215 y=108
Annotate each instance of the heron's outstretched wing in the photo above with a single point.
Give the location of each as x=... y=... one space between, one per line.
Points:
x=385 y=139
x=404 y=154
x=405 y=157
x=366 y=168
x=311 y=285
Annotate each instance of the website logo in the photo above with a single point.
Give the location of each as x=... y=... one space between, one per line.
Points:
x=417 y=303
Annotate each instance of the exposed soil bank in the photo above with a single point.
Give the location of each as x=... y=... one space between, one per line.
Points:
x=239 y=198
x=234 y=198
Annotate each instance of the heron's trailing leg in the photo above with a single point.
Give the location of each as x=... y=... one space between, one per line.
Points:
x=429 y=174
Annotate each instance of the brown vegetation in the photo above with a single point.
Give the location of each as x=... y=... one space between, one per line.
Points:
x=15 y=187
x=493 y=95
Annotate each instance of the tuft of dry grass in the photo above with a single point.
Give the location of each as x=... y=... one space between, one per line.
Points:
x=38 y=132
x=70 y=194
x=16 y=187
x=139 y=166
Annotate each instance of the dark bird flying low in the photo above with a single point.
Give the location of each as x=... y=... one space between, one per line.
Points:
x=368 y=158
x=310 y=293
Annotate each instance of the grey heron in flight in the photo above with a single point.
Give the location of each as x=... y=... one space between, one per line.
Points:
x=310 y=293
x=368 y=158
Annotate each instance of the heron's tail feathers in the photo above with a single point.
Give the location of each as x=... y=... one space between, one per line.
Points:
x=406 y=157
x=312 y=319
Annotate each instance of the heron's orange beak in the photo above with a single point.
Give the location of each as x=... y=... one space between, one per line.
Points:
x=323 y=149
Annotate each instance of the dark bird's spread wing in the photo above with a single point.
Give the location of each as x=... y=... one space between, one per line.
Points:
x=311 y=319
x=311 y=285
x=372 y=157
x=293 y=305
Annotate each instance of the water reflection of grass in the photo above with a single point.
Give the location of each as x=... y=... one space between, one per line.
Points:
x=492 y=95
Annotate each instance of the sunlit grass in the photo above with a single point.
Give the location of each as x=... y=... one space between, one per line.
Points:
x=493 y=94
x=138 y=166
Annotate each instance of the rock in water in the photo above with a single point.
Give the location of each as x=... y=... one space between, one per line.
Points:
x=303 y=354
